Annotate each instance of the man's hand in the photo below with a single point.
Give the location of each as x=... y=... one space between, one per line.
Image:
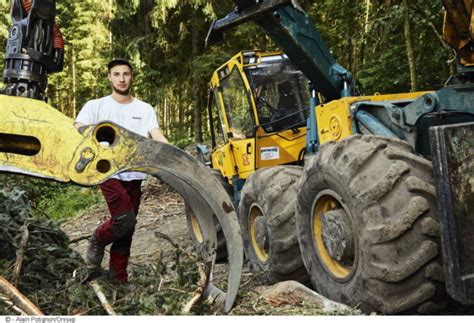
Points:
x=157 y=135
x=80 y=127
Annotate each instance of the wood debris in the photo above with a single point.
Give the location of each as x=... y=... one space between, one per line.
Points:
x=103 y=300
x=20 y=253
x=17 y=298
x=204 y=272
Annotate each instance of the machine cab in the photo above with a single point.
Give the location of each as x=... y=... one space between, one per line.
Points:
x=259 y=107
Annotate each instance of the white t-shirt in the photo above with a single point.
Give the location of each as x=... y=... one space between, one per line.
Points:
x=136 y=116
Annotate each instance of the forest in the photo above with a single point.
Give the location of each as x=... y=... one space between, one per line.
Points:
x=390 y=46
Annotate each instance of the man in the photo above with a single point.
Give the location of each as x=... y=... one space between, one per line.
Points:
x=122 y=192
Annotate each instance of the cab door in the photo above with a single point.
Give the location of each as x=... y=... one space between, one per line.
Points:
x=233 y=95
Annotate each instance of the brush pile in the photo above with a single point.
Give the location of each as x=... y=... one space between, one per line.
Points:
x=36 y=258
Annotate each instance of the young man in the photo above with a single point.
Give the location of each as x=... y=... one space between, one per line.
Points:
x=122 y=192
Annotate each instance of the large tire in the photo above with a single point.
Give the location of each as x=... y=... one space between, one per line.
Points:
x=367 y=226
x=194 y=227
x=267 y=220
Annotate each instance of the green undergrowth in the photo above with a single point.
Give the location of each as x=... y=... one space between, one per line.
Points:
x=68 y=201
x=51 y=199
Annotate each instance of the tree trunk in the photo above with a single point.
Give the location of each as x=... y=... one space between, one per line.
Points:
x=59 y=103
x=110 y=19
x=196 y=101
x=181 y=112
x=71 y=93
x=410 y=50
x=368 y=5
x=68 y=87
x=165 y=116
x=73 y=67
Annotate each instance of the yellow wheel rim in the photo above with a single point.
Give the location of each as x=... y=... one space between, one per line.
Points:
x=260 y=251
x=196 y=228
x=324 y=204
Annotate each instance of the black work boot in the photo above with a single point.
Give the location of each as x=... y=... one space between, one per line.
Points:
x=95 y=252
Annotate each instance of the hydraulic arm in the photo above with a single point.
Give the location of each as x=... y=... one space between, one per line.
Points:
x=293 y=31
x=35 y=47
x=290 y=28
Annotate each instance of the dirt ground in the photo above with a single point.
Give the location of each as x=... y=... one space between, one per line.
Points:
x=162 y=210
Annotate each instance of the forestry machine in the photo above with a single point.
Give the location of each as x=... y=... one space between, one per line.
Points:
x=381 y=216
x=37 y=140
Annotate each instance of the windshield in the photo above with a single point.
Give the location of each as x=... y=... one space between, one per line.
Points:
x=281 y=94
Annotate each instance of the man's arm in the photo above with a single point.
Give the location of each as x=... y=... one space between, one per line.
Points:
x=157 y=135
x=78 y=125
x=85 y=116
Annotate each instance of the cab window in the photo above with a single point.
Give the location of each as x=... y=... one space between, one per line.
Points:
x=217 y=122
x=281 y=94
x=237 y=106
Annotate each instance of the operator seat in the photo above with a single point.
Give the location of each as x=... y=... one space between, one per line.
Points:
x=283 y=115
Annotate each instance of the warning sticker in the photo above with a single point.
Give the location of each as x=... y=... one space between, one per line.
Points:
x=270 y=153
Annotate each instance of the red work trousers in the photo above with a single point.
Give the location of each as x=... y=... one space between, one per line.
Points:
x=123 y=201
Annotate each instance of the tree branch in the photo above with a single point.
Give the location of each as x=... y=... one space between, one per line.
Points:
x=17 y=298
x=204 y=272
x=78 y=239
x=20 y=253
x=103 y=300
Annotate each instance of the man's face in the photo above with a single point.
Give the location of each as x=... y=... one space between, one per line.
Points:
x=120 y=78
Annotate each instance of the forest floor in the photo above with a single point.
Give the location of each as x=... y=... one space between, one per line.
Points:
x=162 y=210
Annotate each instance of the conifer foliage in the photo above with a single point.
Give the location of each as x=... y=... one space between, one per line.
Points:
x=389 y=45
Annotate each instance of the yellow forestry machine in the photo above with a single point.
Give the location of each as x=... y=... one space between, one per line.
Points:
x=37 y=140
x=371 y=198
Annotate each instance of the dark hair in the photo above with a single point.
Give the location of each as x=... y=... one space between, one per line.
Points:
x=119 y=61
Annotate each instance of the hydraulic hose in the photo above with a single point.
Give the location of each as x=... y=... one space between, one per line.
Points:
x=27 y=4
x=58 y=40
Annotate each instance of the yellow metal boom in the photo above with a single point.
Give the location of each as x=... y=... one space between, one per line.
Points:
x=37 y=140
x=458 y=29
